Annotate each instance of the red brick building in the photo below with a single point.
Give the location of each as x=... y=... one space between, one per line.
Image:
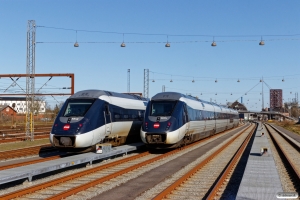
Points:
x=275 y=99
x=7 y=113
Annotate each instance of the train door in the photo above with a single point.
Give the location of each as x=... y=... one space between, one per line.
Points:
x=186 y=118
x=215 y=119
x=107 y=119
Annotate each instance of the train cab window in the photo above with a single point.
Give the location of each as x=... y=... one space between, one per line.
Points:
x=78 y=107
x=162 y=108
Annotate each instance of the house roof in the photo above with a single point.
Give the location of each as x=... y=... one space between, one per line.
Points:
x=5 y=106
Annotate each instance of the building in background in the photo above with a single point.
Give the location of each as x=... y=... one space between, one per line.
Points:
x=19 y=104
x=275 y=99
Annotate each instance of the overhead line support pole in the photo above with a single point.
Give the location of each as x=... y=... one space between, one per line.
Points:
x=30 y=80
x=146 y=83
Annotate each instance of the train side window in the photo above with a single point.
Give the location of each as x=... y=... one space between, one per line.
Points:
x=106 y=109
x=185 y=117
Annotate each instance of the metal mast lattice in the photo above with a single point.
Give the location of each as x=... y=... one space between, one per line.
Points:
x=146 y=83
x=30 y=81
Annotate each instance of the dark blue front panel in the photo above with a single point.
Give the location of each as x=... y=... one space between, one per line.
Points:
x=93 y=118
x=164 y=124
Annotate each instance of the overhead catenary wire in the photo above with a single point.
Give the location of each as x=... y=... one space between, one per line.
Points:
x=256 y=36
x=167 y=34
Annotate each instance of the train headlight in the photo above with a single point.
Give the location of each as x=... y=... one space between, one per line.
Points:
x=79 y=126
x=168 y=125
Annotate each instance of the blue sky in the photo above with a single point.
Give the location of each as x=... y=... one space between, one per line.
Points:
x=189 y=26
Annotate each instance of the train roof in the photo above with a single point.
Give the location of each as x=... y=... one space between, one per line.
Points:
x=97 y=93
x=177 y=96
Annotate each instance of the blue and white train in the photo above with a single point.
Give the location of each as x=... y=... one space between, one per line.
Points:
x=173 y=119
x=91 y=117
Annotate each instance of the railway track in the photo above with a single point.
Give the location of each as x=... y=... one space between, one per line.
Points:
x=25 y=152
x=14 y=135
x=86 y=183
x=288 y=158
x=199 y=181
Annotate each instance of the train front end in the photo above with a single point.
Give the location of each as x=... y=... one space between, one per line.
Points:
x=163 y=124
x=75 y=124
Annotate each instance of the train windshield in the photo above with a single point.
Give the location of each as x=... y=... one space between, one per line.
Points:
x=78 y=107
x=162 y=108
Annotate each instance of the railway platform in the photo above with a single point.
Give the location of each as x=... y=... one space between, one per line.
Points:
x=261 y=179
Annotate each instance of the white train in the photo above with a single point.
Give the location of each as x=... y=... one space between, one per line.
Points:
x=90 y=117
x=173 y=119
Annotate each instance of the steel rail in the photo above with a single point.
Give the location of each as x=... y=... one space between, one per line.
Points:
x=20 y=132
x=177 y=183
x=111 y=176
x=86 y=172
x=85 y=186
x=231 y=166
x=297 y=147
x=290 y=161
x=35 y=188
x=18 y=139
x=25 y=151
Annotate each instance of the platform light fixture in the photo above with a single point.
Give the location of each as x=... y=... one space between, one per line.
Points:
x=123 y=44
x=76 y=43
x=216 y=80
x=193 y=81
x=171 y=80
x=238 y=80
x=261 y=43
x=153 y=77
x=167 y=44
x=283 y=79
x=213 y=44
